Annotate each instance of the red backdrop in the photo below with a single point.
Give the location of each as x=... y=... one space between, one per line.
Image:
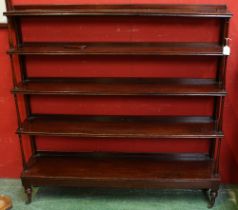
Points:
x=124 y=30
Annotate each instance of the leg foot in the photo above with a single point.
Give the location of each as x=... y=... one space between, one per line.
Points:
x=28 y=191
x=213 y=195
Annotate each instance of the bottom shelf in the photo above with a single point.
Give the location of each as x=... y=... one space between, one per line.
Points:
x=121 y=170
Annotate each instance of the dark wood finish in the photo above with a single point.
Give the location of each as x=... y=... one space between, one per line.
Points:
x=213 y=195
x=179 y=10
x=121 y=86
x=13 y=33
x=130 y=170
x=120 y=126
x=117 y=48
x=28 y=191
x=3 y=25
x=120 y=170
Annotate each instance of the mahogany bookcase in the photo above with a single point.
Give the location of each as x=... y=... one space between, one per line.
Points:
x=146 y=170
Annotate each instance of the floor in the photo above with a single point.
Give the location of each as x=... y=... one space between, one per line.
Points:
x=115 y=199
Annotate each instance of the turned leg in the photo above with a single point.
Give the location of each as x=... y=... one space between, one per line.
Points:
x=28 y=191
x=213 y=195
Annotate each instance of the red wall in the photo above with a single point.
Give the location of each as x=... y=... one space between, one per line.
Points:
x=10 y=164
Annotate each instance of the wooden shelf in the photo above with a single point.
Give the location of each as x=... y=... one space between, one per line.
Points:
x=121 y=86
x=120 y=170
x=120 y=126
x=3 y=25
x=119 y=48
x=179 y=10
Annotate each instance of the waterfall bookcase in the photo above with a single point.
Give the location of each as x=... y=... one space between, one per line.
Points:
x=120 y=170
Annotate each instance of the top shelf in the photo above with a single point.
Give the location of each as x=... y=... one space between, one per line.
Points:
x=167 y=10
x=119 y=48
